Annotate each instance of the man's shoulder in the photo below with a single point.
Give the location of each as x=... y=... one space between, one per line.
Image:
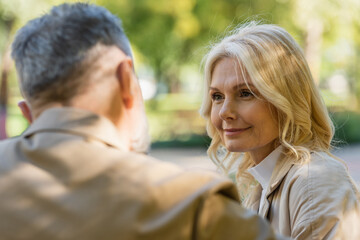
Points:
x=164 y=177
x=7 y=142
x=7 y=148
x=54 y=152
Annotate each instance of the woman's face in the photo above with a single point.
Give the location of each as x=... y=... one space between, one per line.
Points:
x=244 y=122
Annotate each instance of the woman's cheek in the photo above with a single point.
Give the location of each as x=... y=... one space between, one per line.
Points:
x=215 y=118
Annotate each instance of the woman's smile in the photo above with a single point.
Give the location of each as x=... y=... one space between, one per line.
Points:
x=229 y=132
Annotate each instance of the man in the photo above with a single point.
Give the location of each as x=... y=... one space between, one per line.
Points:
x=77 y=172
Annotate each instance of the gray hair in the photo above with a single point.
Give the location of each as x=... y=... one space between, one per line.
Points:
x=49 y=51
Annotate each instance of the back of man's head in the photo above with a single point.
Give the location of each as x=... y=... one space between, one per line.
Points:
x=50 y=52
x=78 y=56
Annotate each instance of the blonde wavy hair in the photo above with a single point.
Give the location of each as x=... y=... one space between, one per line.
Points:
x=276 y=65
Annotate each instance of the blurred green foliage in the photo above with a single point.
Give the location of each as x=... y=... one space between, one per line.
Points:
x=170 y=37
x=175 y=117
x=347 y=125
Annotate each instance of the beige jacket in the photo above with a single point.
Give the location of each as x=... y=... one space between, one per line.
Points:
x=68 y=177
x=318 y=200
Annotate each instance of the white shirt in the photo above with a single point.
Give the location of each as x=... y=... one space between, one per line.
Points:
x=263 y=171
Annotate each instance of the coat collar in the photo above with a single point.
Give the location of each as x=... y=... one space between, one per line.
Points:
x=253 y=200
x=78 y=122
x=281 y=169
x=263 y=171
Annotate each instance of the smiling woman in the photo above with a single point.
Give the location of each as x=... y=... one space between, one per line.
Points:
x=262 y=102
x=243 y=120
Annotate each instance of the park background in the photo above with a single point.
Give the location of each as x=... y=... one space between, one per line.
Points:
x=169 y=39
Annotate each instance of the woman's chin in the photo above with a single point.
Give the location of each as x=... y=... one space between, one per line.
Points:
x=232 y=148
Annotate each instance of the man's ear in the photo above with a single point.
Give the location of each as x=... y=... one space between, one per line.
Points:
x=125 y=77
x=25 y=110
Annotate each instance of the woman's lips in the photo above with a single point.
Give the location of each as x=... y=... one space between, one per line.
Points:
x=234 y=131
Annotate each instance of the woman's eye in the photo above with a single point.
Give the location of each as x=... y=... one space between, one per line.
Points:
x=216 y=96
x=246 y=93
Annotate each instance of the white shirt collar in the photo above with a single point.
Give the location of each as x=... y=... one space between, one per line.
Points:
x=263 y=171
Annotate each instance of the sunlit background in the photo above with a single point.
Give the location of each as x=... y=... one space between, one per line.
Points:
x=170 y=37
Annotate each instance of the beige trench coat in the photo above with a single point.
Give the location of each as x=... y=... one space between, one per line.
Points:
x=68 y=177
x=318 y=200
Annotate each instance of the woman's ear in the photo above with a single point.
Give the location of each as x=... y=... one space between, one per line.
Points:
x=125 y=77
x=25 y=110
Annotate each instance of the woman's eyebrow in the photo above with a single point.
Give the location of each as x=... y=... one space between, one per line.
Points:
x=213 y=89
x=236 y=87
x=241 y=85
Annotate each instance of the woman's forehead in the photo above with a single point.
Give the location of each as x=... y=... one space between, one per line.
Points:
x=228 y=72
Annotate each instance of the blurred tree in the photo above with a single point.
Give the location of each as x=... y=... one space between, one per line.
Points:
x=332 y=39
x=7 y=24
x=170 y=33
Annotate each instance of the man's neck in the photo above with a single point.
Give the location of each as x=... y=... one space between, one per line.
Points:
x=38 y=110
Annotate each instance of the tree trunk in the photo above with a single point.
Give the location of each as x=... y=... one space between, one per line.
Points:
x=6 y=65
x=4 y=95
x=314 y=35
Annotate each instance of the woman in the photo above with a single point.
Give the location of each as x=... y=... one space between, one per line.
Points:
x=262 y=101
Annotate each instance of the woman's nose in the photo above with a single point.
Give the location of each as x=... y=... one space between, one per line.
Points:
x=228 y=111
